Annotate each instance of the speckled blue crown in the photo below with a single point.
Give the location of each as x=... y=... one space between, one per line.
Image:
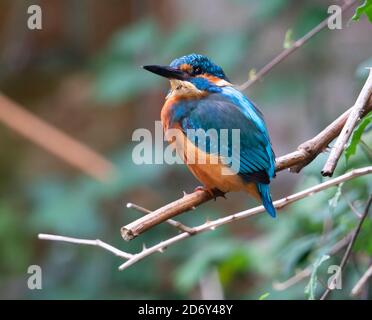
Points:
x=200 y=62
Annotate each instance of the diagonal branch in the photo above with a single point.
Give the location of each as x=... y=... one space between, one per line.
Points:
x=211 y=225
x=54 y=140
x=296 y=45
x=178 y=225
x=355 y=115
x=362 y=282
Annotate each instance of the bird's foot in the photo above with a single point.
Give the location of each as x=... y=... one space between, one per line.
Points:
x=215 y=193
x=218 y=193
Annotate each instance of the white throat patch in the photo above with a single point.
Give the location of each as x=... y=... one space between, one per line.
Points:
x=183 y=88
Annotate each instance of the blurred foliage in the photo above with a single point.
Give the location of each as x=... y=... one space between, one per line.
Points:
x=118 y=66
x=248 y=260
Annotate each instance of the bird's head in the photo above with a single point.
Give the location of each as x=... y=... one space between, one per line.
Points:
x=193 y=74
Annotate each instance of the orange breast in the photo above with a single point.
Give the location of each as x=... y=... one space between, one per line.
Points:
x=207 y=168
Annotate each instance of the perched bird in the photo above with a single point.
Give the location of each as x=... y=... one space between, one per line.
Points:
x=202 y=97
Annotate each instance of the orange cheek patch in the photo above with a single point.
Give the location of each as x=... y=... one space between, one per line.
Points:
x=217 y=81
x=210 y=78
x=186 y=68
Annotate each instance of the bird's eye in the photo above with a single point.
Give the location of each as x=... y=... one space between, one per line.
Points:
x=197 y=70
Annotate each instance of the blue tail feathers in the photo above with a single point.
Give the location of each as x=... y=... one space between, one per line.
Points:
x=264 y=190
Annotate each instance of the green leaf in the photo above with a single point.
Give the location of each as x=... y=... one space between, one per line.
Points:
x=288 y=39
x=351 y=149
x=365 y=8
x=310 y=288
x=264 y=296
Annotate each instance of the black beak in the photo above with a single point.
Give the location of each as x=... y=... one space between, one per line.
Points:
x=167 y=72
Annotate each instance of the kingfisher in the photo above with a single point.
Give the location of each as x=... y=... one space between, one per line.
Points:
x=201 y=97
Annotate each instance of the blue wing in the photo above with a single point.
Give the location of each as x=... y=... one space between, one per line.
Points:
x=219 y=111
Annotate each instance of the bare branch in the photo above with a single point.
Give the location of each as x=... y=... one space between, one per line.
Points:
x=279 y=204
x=178 y=225
x=361 y=282
x=188 y=202
x=346 y=256
x=355 y=115
x=211 y=225
x=296 y=45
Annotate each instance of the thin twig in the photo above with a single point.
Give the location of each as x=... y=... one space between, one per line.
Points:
x=178 y=225
x=299 y=276
x=296 y=45
x=134 y=206
x=353 y=119
x=351 y=206
x=346 y=256
x=361 y=282
x=97 y=243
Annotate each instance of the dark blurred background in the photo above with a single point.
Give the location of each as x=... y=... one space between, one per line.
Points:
x=81 y=73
